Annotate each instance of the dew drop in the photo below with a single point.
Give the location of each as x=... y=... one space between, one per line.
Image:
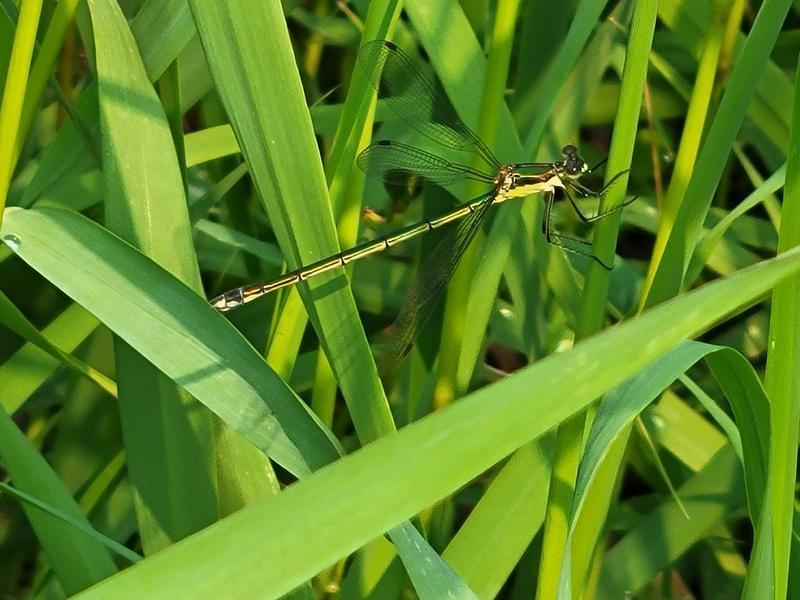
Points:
x=12 y=241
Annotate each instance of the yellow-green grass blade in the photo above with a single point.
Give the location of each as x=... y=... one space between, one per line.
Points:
x=741 y=386
x=267 y=110
x=209 y=144
x=375 y=572
x=167 y=439
x=426 y=461
x=78 y=524
x=7 y=25
x=174 y=329
x=492 y=110
x=42 y=68
x=30 y=366
x=14 y=90
x=491 y=541
x=770 y=108
x=11 y=317
x=77 y=559
x=682 y=431
x=782 y=379
x=350 y=129
x=345 y=183
x=431 y=576
x=709 y=241
x=739 y=91
x=692 y=134
x=570 y=437
x=444 y=31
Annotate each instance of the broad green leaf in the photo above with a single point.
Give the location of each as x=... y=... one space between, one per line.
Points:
x=428 y=460
x=167 y=438
x=267 y=110
x=174 y=329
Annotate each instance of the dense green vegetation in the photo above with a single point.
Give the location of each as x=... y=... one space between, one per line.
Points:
x=559 y=430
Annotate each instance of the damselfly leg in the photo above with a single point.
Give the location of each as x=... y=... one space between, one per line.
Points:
x=422 y=103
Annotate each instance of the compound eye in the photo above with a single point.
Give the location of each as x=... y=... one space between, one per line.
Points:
x=575 y=166
x=570 y=159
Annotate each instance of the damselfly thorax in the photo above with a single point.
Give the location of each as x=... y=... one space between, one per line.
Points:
x=423 y=105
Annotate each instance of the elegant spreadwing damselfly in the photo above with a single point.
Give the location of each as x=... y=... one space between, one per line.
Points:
x=422 y=104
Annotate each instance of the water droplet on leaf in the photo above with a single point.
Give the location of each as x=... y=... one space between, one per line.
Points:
x=12 y=241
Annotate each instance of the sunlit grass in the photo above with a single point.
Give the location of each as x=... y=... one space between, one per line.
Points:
x=558 y=430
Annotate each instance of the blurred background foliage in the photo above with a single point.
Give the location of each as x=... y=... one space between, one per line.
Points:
x=155 y=153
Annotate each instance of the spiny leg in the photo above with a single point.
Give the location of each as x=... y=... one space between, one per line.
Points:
x=587 y=193
x=603 y=189
x=557 y=238
x=597 y=166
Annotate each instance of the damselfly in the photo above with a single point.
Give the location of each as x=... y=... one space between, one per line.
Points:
x=423 y=105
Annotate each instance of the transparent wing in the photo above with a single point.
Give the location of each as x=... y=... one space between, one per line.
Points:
x=428 y=286
x=418 y=100
x=395 y=163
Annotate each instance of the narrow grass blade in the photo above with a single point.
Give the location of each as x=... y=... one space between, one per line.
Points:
x=491 y=541
x=616 y=413
x=12 y=318
x=209 y=144
x=78 y=560
x=14 y=91
x=430 y=458
x=417 y=557
x=268 y=113
x=782 y=379
x=570 y=437
x=46 y=58
x=174 y=329
x=739 y=91
x=31 y=366
x=166 y=438
x=709 y=241
x=709 y=497
x=78 y=524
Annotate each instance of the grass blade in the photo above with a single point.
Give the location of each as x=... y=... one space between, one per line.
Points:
x=781 y=379
x=429 y=459
x=174 y=329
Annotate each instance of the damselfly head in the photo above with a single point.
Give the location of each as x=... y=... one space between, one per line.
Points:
x=571 y=162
